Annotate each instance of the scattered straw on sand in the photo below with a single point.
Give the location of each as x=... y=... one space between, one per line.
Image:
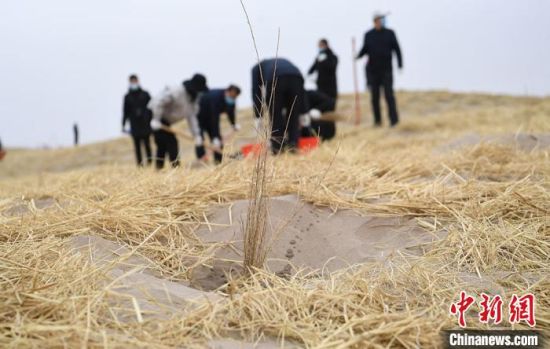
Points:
x=109 y=256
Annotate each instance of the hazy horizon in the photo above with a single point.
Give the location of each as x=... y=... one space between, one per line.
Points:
x=66 y=62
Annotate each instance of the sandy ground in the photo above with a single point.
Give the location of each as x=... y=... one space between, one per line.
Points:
x=301 y=235
x=521 y=141
x=139 y=292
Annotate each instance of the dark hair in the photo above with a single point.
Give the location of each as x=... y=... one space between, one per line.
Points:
x=235 y=88
x=324 y=42
x=133 y=77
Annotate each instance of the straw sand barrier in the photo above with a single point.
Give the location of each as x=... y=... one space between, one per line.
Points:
x=107 y=256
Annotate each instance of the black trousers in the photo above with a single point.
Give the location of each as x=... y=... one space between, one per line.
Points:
x=329 y=89
x=212 y=129
x=382 y=79
x=286 y=107
x=145 y=141
x=167 y=144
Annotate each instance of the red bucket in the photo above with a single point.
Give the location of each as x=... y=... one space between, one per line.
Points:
x=306 y=144
x=254 y=149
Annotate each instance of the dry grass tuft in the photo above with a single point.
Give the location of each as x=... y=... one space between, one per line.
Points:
x=255 y=249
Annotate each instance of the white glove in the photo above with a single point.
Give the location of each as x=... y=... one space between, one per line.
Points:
x=321 y=57
x=314 y=114
x=156 y=125
x=305 y=120
x=216 y=142
x=198 y=140
x=237 y=127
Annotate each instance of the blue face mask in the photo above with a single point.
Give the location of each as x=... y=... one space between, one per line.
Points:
x=384 y=21
x=230 y=101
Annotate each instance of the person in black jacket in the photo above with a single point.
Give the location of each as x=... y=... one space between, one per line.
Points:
x=76 y=134
x=325 y=65
x=379 y=45
x=279 y=85
x=139 y=115
x=212 y=104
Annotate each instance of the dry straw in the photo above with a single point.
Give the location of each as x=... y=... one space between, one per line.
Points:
x=491 y=196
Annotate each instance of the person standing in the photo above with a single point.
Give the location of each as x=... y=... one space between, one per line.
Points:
x=325 y=65
x=283 y=85
x=2 y=151
x=75 y=134
x=212 y=104
x=172 y=105
x=379 y=45
x=138 y=114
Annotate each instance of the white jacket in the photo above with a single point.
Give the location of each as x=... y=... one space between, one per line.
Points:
x=174 y=104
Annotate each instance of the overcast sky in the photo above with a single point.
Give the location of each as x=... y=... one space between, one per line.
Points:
x=65 y=61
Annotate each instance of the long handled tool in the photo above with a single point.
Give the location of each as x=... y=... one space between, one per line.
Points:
x=184 y=135
x=356 y=83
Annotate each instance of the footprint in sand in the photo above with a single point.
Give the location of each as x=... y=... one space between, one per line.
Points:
x=285 y=273
x=289 y=253
x=293 y=242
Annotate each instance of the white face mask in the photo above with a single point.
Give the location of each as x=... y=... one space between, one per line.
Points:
x=134 y=87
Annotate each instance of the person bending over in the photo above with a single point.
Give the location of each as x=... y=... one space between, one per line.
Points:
x=212 y=104
x=280 y=85
x=174 y=104
x=318 y=103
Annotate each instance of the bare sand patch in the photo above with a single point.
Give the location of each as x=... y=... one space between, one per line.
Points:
x=22 y=207
x=521 y=141
x=304 y=236
x=135 y=290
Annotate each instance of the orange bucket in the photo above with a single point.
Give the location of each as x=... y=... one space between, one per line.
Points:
x=254 y=149
x=306 y=144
